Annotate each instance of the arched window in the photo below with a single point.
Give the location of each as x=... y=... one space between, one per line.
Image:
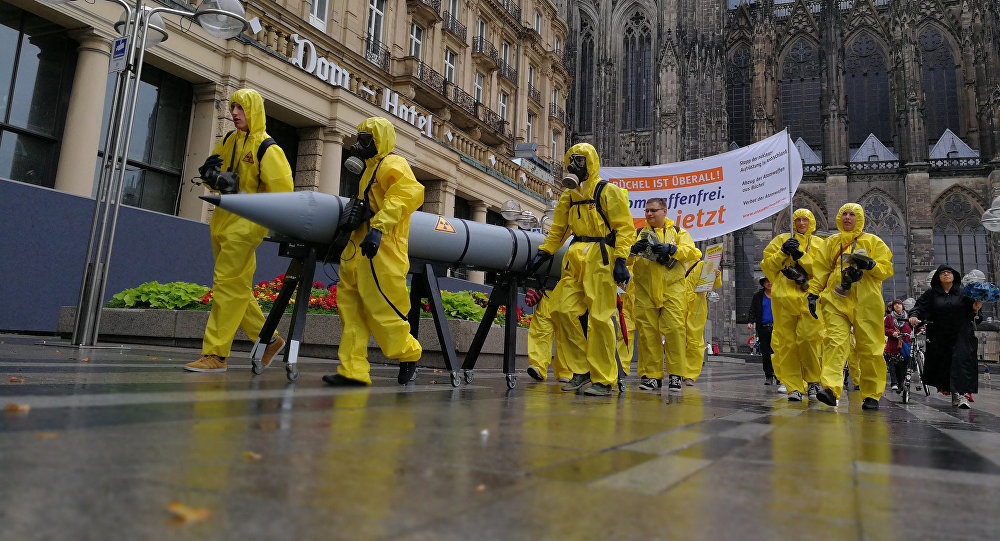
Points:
x=940 y=83
x=636 y=79
x=882 y=219
x=800 y=93
x=585 y=80
x=867 y=84
x=959 y=238
x=738 y=77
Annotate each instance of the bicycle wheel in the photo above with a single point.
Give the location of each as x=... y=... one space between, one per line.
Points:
x=918 y=358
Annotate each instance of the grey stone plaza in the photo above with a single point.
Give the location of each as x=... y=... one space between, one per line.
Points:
x=120 y=443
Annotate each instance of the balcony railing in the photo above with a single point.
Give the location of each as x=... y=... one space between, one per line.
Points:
x=508 y=72
x=492 y=119
x=511 y=6
x=480 y=46
x=430 y=77
x=954 y=163
x=377 y=53
x=887 y=165
x=534 y=94
x=463 y=99
x=557 y=113
x=812 y=167
x=452 y=25
x=434 y=5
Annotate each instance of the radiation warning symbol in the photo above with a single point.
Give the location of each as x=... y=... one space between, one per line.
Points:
x=443 y=226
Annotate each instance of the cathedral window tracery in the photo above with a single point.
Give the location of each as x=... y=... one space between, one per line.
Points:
x=883 y=219
x=636 y=81
x=867 y=81
x=585 y=115
x=939 y=81
x=959 y=237
x=800 y=93
x=738 y=78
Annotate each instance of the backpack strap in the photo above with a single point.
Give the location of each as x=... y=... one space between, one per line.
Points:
x=264 y=145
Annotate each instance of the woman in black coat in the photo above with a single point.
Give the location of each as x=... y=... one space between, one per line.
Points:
x=950 y=363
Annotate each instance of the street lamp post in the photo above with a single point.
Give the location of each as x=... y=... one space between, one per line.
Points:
x=141 y=26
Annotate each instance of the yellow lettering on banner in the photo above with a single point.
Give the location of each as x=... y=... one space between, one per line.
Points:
x=443 y=226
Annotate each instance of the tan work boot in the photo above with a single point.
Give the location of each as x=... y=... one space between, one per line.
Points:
x=272 y=349
x=208 y=363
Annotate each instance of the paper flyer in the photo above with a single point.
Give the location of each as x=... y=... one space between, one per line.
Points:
x=713 y=260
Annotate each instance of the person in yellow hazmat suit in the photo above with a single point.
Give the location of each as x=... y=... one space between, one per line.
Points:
x=790 y=261
x=661 y=296
x=850 y=269
x=625 y=345
x=542 y=333
x=697 y=317
x=261 y=166
x=596 y=213
x=371 y=295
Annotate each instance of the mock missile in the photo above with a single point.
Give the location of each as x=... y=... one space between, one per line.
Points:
x=313 y=218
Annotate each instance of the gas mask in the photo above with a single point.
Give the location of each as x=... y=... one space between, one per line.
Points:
x=576 y=172
x=365 y=147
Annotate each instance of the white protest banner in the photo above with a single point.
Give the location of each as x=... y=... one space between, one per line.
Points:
x=713 y=259
x=719 y=194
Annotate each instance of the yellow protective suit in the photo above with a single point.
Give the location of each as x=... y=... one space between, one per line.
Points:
x=541 y=334
x=587 y=282
x=863 y=307
x=798 y=338
x=661 y=304
x=394 y=195
x=234 y=239
x=697 y=316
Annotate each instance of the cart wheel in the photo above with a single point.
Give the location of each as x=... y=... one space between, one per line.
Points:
x=511 y=381
x=292 y=372
x=905 y=395
x=621 y=386
x=257 y=367
x=456 y=380
x=469 y=376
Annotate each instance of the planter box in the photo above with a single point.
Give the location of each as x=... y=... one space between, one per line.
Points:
x=185 y=328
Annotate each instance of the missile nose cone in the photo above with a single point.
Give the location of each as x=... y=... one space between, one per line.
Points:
x=211 y=198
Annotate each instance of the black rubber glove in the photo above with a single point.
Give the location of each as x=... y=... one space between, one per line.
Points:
x=851 y=275
x=212 y=162
x=639 y=246
x=620 y=272
x=791 y=247
x=369 y=246
x=864 y=262
x=812 y=304
x=539 y=259
x=664 y=250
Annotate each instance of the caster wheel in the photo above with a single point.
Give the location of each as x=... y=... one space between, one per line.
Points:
x=469 y=376
x=292 y=373
x=456 y=380
x=511 y=381
x=257 y=367
x=905 y=397
x=621 y=386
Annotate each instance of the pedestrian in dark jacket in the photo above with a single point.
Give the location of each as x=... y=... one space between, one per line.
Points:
x=760 y=314
x=950 y=362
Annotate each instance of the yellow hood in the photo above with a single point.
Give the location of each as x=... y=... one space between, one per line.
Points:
x=383 y=133
x=593 y=165
x=253 y=106
x=799 y=213
x=859 y=227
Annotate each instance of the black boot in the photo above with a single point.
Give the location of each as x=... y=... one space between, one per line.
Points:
x=340 y=381
x=407 y=373
x=869 y=404
x=827 y=397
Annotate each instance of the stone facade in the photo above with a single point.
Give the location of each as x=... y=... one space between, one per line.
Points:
x=707 y=74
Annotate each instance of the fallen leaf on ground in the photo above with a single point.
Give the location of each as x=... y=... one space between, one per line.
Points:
x=153 y=358
x=17 y=408
x=46 y=435
x=184 y=514
x=250 y=455
x=481 y=488
x=16 y=380
x=85 y=360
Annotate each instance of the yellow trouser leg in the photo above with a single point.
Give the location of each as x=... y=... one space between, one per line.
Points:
x=786 y=356
x=625 y=350
x=600 y=291
x=353 y=350
x=233 y=303
x=569 y=333
x=694 y=354
x=650 y=342
x=836 y=349
x=870 y=343
x=809 y=334
x=541 y=334
x=673 y=327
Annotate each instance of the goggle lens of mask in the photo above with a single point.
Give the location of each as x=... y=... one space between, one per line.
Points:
x=365 y=138
x=578 y=160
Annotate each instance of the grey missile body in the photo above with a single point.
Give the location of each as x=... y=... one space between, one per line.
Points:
x=312 y=217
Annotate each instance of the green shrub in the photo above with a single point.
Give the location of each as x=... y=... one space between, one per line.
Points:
x=172 y=296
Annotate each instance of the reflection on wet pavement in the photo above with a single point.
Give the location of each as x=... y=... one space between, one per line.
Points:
x=97 y=444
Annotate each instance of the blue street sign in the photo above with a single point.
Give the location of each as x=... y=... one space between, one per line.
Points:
x=118 y=54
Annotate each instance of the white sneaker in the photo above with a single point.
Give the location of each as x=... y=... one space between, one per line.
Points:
x=782 y=389
x=954 y=399
x=963 y=402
